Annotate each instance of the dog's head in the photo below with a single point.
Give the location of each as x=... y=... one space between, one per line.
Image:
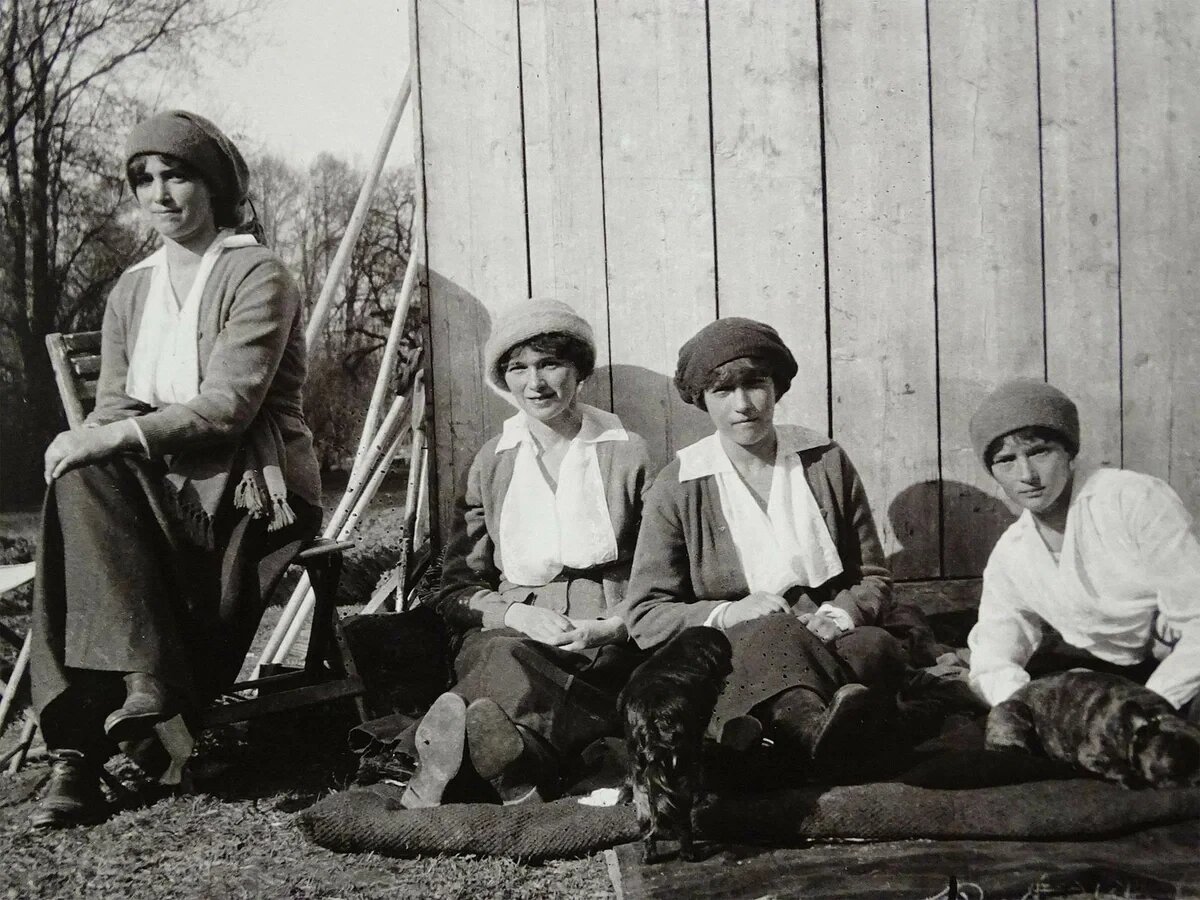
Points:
x=707 y=649
x=1165 y=752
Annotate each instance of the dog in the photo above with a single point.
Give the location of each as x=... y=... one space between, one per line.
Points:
x=665 y=706
x=1104 y=724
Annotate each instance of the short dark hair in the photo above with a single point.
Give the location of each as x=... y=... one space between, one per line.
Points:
x=741 y=371
x=1031 y=433
x=225 y=213
x=559 y=344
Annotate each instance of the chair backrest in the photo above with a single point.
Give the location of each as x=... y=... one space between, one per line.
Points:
x=76 y=362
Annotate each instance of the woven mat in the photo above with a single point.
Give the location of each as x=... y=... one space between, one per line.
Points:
x=372 y=820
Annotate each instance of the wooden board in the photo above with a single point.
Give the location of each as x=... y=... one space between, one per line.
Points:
x=767 y=184
x=1083 y=340
x=1157 y=862
x=1158 y=108
x=988 y=217
x=474 y=211
x=658 y=207
x=881 y=285
x=560 y=90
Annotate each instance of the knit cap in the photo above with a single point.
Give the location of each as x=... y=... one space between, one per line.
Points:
x=200 y=144
x=525 y=321
x=725 y=340
x=1024 y=403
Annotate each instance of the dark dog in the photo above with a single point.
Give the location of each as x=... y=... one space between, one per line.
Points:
x=666 y=707
x=1104 y=724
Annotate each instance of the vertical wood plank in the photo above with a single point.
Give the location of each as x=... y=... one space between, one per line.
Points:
x=658 y=206
x=1083 y=342
x=767 y=178
x=1158 y=57
x=882 y=310
x=988 y=214
x=474 y=211
x=562 y=158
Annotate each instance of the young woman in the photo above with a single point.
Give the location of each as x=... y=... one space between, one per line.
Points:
x=764 y=531
x=1107 y=557
x=193 y=481
x=535 y=569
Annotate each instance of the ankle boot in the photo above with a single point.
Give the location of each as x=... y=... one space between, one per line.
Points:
x=441 y=737
x=814 y=730
x=73 y=796
x=146 y=704
x=514 y=761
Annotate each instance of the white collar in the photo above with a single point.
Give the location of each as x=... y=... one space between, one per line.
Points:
x=707 y=456
x=598 y=426
x=226 y=238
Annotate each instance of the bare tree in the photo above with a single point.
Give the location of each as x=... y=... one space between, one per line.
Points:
x=64 y=113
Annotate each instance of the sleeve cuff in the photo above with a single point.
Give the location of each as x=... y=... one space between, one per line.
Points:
x=139 y=434
x=716 y=618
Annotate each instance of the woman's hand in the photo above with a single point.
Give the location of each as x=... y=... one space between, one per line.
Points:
x=589 y=633
x=754 y=606
x=542 y=625
x=72 y=449
x=822 y=625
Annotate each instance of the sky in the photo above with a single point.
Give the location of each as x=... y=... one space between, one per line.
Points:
x=313 y=76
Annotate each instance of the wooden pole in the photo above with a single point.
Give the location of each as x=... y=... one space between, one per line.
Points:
x=365 y=497
x=333 y=527
x=14 y=681
x=316 y=319
x=388 y=363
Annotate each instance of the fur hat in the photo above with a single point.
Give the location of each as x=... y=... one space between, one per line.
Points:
x=200 y=144
x=524 y=321
x=725 y=340
x=1023 y=403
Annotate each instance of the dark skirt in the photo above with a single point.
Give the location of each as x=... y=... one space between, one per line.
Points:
x=119 y=589
x=775 y=653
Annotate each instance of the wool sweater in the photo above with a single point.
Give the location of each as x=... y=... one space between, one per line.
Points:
x=474 y=593
x=1128 y=578
x=686 y=563
x=253 y=361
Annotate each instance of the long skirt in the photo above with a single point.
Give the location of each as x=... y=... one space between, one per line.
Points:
x=120 y=589
x=775 y=653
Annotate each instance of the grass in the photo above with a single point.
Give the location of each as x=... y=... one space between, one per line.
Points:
x=235 y=835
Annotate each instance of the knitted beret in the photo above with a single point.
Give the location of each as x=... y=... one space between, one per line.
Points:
x=1023 y=403
x=723 y=341
x=200 y=144
x=525 y=321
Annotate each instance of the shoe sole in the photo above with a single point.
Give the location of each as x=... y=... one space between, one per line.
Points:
x=121 y=726
x=842 y=717
x=493 y=741
x=441 y=738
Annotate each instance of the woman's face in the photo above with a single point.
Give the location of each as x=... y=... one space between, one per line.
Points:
x=1035 y=473
x=743 y=413
x=176 y=203
x=544 y=386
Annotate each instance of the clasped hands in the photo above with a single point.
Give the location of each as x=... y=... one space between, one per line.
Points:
x=761 y=603
x=557 y=630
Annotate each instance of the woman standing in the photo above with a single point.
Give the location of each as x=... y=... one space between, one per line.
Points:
x=535 y=569
x=175 y=509
x=764 y=531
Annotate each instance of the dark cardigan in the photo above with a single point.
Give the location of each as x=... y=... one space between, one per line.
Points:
x=686 y=563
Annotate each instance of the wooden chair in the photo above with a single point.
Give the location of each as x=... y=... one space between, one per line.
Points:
x=329 y=671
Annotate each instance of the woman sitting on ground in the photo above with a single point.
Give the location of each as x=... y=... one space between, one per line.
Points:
x=177 y=506
x=535 y=568
x=763 y=531
x=1107 y=557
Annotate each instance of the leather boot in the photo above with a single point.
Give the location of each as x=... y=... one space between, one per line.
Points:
x=807 y=726
x=146 y=704
x=514 y=761
x=73 y=796
x=441 y=738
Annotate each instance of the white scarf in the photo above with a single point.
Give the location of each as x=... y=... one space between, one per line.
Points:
x=785 y=546
x=544 y=529
x=165 y=367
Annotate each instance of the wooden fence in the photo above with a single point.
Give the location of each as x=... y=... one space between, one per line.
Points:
x=924 y=196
